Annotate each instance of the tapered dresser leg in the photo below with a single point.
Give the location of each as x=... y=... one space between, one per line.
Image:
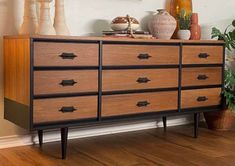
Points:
x=196 y=121
x=164 y=123
x=64 y=138
x=40 y=137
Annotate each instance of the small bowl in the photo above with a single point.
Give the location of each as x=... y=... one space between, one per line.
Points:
x=121 y=23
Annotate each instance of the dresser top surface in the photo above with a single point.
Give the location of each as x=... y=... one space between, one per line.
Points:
x=89 y=38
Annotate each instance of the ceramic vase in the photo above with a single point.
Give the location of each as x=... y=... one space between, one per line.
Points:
x=195 y=28
x=30 y=22
x=59 y=21
x=184 y=34
x=45 y=25
x=163 y=25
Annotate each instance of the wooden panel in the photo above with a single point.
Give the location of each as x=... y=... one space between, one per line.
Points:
x=48 y=54
x=128 y=104
x=195 y=98
x=131 y=55
x=128 y=79
x=49 y=110
x=194 y=54
x=50 y=82
x=201 y=76
x=17 y=70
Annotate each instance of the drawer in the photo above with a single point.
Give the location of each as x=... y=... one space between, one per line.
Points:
x=65 y=54
x=54 y=82
x=121 y=55
x=139 y=79
x=200 y=97
x=116 y=105
x=64 y=109
x=202 y=55
x=201 y=76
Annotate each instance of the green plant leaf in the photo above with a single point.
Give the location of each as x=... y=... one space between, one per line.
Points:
x=233 y=23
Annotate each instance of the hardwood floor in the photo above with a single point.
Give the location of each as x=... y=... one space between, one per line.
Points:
x=152 y=147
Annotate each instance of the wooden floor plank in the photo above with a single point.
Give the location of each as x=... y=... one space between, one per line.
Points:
x=151 y=147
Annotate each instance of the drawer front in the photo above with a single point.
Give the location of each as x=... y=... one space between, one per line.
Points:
x=65 y=54
x=116 y=105
x=201 y=76
x=202 y=54
x=139 y=79
x=200 y=97
x=63 y=109
x=120 y=55
x=54 y=82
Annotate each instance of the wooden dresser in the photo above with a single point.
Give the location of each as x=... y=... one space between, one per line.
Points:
x=53 y=82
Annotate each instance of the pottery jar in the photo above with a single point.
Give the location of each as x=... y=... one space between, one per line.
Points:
x=195 y=28
x=121 y=23
x=163 y=25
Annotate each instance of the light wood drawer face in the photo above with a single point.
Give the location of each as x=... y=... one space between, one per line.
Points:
x=201 y=76
x=200 y=97
x=139 y=79
x=54 y=82
x=65 y=54
x=119 y=55
x=62 y=109
x=202 y=54
x=116 y=105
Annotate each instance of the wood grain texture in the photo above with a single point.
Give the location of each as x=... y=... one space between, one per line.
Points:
x=127 y=79
x=189 y=98
x=119 y=55
x=49 y=82
x=191 y=54
x=128 y=103
x=90 y=38
x=191 y=76
x=48 y=54
x=17 y=70
x=47 y=110
x=212 y=148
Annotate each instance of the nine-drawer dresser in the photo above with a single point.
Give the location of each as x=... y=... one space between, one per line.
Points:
x=59 y=82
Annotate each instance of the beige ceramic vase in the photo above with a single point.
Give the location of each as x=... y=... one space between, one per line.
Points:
x=162 y=25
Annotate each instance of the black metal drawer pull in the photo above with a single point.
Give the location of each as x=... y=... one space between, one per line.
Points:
x=67 y=109
x=68 y=55
x=202 y=98
x=143 y=80
x=144 y=56
x=202 y=77
x=68 y=82
x=142 y=104
x=203 y=55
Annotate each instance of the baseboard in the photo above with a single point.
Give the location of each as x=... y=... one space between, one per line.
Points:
x=74 y=133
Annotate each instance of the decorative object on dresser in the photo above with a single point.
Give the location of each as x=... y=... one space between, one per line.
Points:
x=122 y=23
x=45 y=26
x=224 y=120
x=184 y=21
x=30 y=22
x=195 y=28
x=176 y=7
x=60 y=25
x=60 y=82
x=162 y=25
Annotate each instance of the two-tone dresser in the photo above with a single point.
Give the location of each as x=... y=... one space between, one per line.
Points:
x=60 y=82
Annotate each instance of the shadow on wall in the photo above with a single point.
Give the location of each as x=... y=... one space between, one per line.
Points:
x=98 y=26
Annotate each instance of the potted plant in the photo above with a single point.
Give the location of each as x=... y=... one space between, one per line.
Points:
x=224 y=119
x=184 y=21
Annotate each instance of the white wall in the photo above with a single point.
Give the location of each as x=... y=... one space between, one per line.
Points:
x=90 y=17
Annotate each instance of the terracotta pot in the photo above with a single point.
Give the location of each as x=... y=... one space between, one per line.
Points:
x=184 y=34
x=162 y=25
x=219 y=120
x=195 y=28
